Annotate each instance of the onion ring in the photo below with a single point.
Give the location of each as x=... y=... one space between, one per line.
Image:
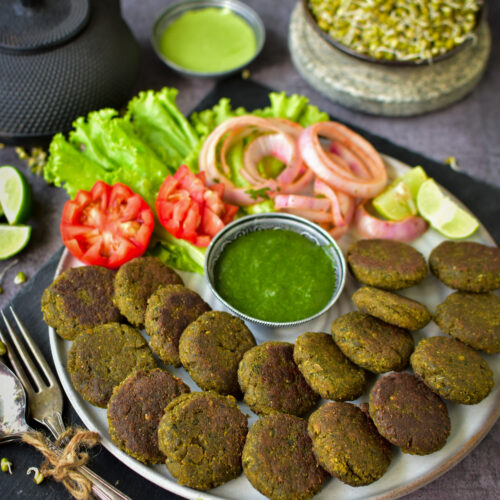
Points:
x=405 y=230
x=340 y=175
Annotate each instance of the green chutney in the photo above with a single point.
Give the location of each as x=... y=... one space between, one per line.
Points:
x=275 y=275
x=208 y=40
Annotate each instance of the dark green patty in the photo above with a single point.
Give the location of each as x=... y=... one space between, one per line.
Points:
x=473 y=318
x=348 y=445
x=136 y=281
x=79 y=299
x=202 y=435
x=278 y=459
x=371 y=343
x=326 y=369
x=466 y=265
x=211 y=349
x=392 y=308
x=135 y=410
x=386 y=264
x=408 y=414
x=100 y=359
x=271 y=381
x=170 y=309
x=452 y=370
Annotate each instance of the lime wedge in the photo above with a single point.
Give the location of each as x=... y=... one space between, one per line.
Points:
x=443 y=214
x=15 y=195
x=398 y=199
x=13 y=239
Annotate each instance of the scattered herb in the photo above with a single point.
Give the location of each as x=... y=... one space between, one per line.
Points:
x=245 y=74
x=3 y=349
x=38 y=477
x=6 y=465
x=258 y=193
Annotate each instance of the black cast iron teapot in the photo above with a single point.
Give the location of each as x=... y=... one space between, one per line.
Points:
x=60 y=59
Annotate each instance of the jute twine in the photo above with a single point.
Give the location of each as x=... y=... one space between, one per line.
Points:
x=63 y=465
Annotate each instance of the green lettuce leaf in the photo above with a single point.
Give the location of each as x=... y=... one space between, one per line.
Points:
x=176 y=252
x=160 y=124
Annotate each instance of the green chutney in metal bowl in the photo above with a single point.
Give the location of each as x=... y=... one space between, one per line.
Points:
x=274 y=270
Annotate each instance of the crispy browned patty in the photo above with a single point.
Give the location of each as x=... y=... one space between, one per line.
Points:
x=170 y=309
x=387 y=264
x=466 y=265
x=372 y=343
x=136 y=281
x=391 y=307
x=408 y=414
x=202 y=435
x=80 y=299
x=452 y=370
x=348 y=445
x=211 y=349
x=326 y=369
x=135 y=410
x=271 y=381
x=100 y=359
x=278 y=459
x=473 y=318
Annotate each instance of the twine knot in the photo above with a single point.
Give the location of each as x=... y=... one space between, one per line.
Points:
x=62 y=463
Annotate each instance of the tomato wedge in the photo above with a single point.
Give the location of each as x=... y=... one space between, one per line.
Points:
x=106 y=226
x=189 y=210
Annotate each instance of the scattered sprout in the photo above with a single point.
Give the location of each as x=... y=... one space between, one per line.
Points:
x=403 y=30
x=245 y=74
x=3 y=350
x=452 y=162
x=38 y=477
x=5 y=465
x=19 y=278
x=36 y=159
x=4 y=271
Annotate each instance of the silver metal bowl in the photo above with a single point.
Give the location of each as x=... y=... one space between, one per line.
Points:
x=258 y=222
x=176 y=10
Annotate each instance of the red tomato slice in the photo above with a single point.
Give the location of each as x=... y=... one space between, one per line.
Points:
x=106 y=226
x=189 y=210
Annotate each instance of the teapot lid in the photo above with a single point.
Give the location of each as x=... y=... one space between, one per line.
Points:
x=33 y=25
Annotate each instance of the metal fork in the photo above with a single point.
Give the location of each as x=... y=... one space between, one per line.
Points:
x=45 y=401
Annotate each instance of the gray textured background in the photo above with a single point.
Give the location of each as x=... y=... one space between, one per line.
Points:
x=468 y=130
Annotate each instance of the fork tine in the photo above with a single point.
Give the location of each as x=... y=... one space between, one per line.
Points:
x=16 y=364
x=23 y=354
x=34 y=349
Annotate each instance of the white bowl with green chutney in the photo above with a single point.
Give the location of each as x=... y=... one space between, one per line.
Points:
x=208 y=38
x=275 y=270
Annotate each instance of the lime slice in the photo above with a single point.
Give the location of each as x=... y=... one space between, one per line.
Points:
x=15 y=195
x=13 y=239
x=443 y=214
x=398 y=200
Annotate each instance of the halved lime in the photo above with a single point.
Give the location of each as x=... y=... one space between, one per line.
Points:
x=15 y=195
x=443 y=214
x=13 y=239
x=397 y=201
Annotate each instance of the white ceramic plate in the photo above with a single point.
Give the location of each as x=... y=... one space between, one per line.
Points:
x=469 y=424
